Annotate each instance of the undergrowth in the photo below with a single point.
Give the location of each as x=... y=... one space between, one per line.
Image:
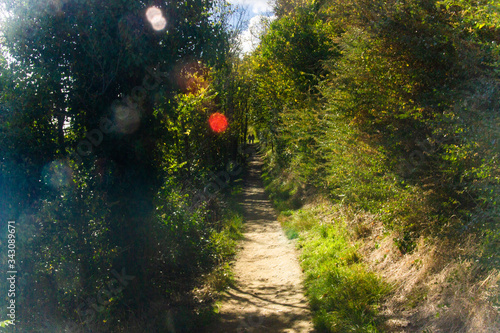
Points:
x=199 y=309
x=344 y=294
x=221 y=276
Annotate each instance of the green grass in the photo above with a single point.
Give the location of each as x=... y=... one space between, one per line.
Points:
x=295 y=222
x=225 y=240
x=344 y=295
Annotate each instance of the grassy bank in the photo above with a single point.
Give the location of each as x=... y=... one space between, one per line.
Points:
x=344 y=294
x=205 y=296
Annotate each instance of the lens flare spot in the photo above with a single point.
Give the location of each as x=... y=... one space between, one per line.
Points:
x=218 y=122
x=155 y=17
x=57 y=174
x=159 y=23
x=127 y=119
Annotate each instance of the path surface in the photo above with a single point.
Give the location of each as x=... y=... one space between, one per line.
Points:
x=268 y=294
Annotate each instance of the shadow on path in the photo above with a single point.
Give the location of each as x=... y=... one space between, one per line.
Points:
x=268 y=294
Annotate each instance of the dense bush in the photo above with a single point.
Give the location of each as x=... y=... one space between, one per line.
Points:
x=402 y=125
x=105 y=153
x=399 y=119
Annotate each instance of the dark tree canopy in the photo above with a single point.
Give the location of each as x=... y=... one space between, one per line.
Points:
x=104 y=116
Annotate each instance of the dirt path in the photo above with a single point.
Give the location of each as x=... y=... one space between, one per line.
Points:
x=268 y=294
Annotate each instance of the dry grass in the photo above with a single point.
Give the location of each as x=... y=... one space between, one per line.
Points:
x=437 y=288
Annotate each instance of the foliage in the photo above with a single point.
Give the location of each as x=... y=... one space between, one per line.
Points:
x=299 y=43
x=399 y=119
x=393 y=131
x=105 y=146
x=387 y=107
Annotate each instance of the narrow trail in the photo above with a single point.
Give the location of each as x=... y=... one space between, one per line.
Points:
x=268 y=294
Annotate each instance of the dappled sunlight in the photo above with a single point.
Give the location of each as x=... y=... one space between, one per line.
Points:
x=191 y=77
x=156 y=18
x=66 y=276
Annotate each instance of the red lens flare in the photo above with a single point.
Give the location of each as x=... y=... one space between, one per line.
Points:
x=218 y=122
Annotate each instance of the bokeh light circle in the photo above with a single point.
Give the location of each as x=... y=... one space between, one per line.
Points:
x=218 y=122
x=155 y=17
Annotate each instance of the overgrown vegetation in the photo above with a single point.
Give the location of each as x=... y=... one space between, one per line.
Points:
x=116 y=182
x=397 y=119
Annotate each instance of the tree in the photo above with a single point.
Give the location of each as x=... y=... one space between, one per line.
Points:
x=88 y=129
